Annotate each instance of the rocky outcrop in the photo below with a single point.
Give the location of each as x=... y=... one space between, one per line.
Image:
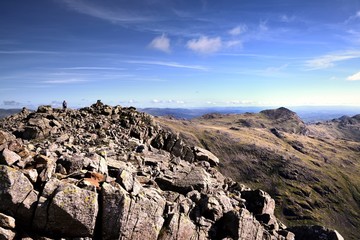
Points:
x=285 y=120
x=315 y=233
x=105 y=172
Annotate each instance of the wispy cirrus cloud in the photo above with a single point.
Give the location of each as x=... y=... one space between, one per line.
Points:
x=161 y=43
x=354 y=77
x=238 y=30
x=205 y=45
x=28 y=52
x=93 y=68
x=169 y=64
x=114 y=15
x=64 y=81
x=286 y=18
x=11 y=103
x=353 y=17
x=329 y=60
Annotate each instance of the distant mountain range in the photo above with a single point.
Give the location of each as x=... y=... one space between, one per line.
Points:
x=307 y=114
x=8 y=112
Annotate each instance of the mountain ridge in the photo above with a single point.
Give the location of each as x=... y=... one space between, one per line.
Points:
x=127 y=176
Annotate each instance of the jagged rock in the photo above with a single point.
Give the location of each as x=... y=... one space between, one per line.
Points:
x=6 y=234
x=18 y=198
x=9 y=157
x=7 y=221
x=178 y=226
x=5 y=137
x=31 y=174
x=205 y=155
x=315 y=233
x=259 y=202
x=195 y=179
x=69 y=211
x=239 y=225
x=45 y=109
x=73 y=212
x=131 y=218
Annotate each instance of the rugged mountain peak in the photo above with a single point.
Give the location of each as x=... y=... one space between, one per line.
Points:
x=279 y=113
x=285 y=120
x=104 y=172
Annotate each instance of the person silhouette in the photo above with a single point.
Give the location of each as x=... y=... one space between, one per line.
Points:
x=64 y=104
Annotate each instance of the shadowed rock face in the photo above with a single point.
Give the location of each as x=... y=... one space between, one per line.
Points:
x=105 y=172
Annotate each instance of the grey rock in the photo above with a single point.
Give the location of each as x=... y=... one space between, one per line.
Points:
x=15 y=188
x=194 y=179
x=259 y=202
x=125 y=217
x=8 y=157
x=315 y=233
x=240 y=225
x=179 y=226
x=72 y=212
x=205 y=155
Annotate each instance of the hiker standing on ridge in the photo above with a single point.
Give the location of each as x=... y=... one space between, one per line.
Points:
x=64 y=104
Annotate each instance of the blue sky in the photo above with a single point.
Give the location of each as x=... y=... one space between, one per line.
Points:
x=171 y=53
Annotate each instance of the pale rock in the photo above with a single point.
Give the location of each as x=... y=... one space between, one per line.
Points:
x=205 y=155
x=72 y=212
x=6 y=234
x=14 y=190
x=9 y=157
x=7 y=221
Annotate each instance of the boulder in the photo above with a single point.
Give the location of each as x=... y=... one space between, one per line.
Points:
x=205 y=155
x=18 y=198
x=8 y=157
x=7 y=221
x=258 y=202
x=125 y=217
x=315 y=233
x=178 y=226
x=6 y=234
x=194 y=179
x=239 y=225
x=72 y=212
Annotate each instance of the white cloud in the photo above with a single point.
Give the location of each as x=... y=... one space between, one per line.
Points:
x=233 y=43
x=263 y=26
x=329 y=60
x=170 y=64
x=11 y=103
x=354 y=77
x=64 y=81
x=205 y=45
x=353 y=17
x=287 y=19
x=161 y=43
x=238 y=30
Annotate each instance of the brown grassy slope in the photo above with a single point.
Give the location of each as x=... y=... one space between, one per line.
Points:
x=314 y=180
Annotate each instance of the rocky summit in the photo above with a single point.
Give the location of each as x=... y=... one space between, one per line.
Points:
x=104 y=172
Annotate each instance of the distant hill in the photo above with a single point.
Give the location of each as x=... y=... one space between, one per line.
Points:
x=7 y=112
x=307 y=114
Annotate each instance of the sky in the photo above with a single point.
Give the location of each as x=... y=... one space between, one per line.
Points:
x=172 y=53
